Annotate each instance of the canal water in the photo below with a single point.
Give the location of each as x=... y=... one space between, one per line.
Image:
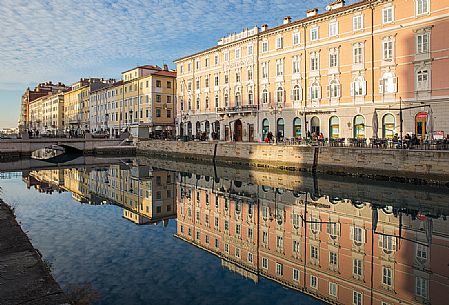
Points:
x=153 y=231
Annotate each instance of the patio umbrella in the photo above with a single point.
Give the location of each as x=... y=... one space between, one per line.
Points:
x=429 y=125
x=375 y=125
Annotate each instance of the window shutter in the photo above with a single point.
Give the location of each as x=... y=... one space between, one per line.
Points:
x=329 y=231
x=381 y=241
x=292 y=95
x=310 y=93
x=339 y=91
x=364 y=88
x=320 y=92
x=363 y=236
x=284 y=95
x=338 y=229
x=352 y=89
x=329 y=91
x=393 y=243
x=351 y=234
x=381 y=86
x=395 y=84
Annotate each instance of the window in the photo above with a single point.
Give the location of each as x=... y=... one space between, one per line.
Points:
x=334 y=89
x=295 y=38
x=206 y=62
x=237 y=229
x=333 y=289
x=386 y=241
x=197 y=84
x=389 y=83
x=250 y=73
x=226 y=248
x=357 y=298
x=197 y=235
x=296 y=246
x=226 y=100
x=388 y=131
x=168 y=99
x=158 y=112
x=313 y=282
x=250 y=97
x=387 y=15
x=333 y=258
x=198 y=64
x=264 y=46
x=357 y=54
x=280 y=95
x=250 y=257
x=333 y=29
x=314 y=34
x=237 y=53
x=357 y=267
x=386 y=276
x=422 y=7
x=422 y=43
x=264 y=237
x=250 y=233
x=279 y=42
x=216 y=80
x=264 y=96
x=217 y=102
x=358 y=234
x=168 y=113
x=279 y=67
x=295 y=274
x=226 y=56
x=169 y=85
x=296 y=94
x=197 y=103
x=238 y=100
x=279 y=242
x=357 y=23
x=206 y=82
x=226 y=225
x=314 y=62
x=279 y=269
x=206 y=102
x=295 y=64
x=237 y=77
x=314 y=254
x=237 y=252
x=250 y=50
x=421 y=252
x=358 y=87
x=315 y=91
x=421 y=287
x=216 y=59
x=264 y=262
x=387 y=49
x=422 y=80
x=333 y=60
x=265 y=70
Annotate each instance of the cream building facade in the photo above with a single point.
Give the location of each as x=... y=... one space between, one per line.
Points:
x=46 y=114
x=350 y=72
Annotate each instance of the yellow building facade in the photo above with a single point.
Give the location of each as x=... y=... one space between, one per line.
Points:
x=350 y=72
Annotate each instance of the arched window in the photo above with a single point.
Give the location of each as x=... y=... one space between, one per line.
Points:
x=297 y=128
x=237 y=99
x=358 y=86
x=226 y=100
x=359 y=127
x=334 y=127
x=389 y=83
x=198 y=128
x=388 y=126
x=334 y=89
x=315 y=91
x=280 y=95
x=280 y=128
x=315 y=125
x=264 y=96
x=265 y=128
x=250 y=97
x=296 y=94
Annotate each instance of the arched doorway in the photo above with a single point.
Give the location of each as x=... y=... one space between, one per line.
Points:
x=238 y=132
x=359 y=127
x=198 y=129
x=297 y=128
x=280 y=129
x=315 y=125
x=421 y=125
x=334 y=127
x=189 y=129
x=265 y=129
x=207 y=128
x=217 y=130
x=388 y=126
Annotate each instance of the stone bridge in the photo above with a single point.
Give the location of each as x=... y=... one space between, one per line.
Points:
x=24 y=147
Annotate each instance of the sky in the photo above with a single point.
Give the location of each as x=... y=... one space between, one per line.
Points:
x=65 y=40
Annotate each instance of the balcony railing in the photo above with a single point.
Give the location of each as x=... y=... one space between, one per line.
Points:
x=238 y=109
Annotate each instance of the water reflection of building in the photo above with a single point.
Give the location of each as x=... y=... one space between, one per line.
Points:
x=45 y=181
x=338 y=250
x=146 y=194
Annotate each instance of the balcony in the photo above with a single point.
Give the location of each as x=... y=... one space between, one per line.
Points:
x=237 y=109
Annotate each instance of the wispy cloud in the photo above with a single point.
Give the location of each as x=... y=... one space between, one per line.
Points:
x=64 y=39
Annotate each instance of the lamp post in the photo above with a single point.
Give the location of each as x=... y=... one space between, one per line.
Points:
x=130 y=120
x=106 y=117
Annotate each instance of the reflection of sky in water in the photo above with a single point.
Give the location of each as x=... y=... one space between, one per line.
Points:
x=130 y=264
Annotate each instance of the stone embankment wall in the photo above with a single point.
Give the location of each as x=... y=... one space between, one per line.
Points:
x=424 y=166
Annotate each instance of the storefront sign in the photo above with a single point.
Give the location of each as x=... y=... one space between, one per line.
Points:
x=438 y=135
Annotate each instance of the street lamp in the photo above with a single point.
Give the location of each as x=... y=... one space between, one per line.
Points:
x=130 y=120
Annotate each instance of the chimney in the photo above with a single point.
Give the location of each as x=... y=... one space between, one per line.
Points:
x=336 y=4
x=287 y=19
x=264 y=27
x=312 y=12
x=165 y=67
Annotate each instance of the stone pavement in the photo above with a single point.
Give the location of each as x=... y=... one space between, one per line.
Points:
x=24 y=278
